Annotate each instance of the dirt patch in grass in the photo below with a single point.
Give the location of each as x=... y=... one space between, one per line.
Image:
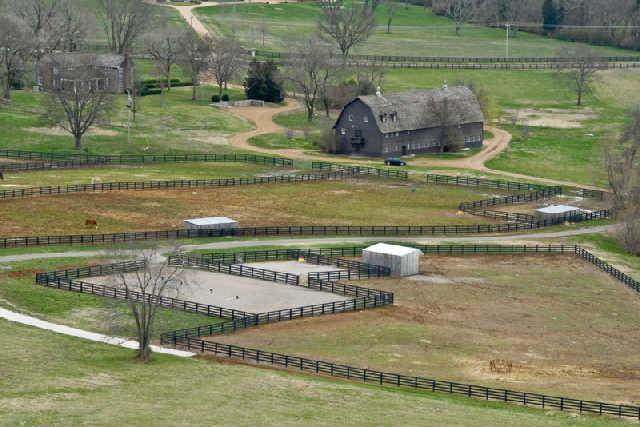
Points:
x=368 y=203
x=58 y=131
x=566 y=328
x=552 y=117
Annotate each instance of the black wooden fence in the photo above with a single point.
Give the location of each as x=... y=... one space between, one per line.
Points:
x=234 y=269
x=360 y=170
x=386 y=378
x=118 y=159
x=287 y=230
x=458 y=59
x=173 y=184
x=468 y=181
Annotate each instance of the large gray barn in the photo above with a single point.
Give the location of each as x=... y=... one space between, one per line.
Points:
x=409 y=122
x=108 y=71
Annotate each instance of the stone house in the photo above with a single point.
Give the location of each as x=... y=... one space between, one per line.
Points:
x=106 y=71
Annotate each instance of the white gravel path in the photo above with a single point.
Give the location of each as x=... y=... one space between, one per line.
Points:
x=80 y=333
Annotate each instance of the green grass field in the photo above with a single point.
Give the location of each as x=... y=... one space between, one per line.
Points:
x=158 y=171
x=415 y=31
x=277 y=141
x=178 y=126
x=49 y=379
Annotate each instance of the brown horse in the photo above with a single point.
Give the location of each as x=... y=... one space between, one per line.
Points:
x=91 y=223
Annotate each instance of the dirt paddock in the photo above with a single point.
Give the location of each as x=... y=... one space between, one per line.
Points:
x=566 y=328
x=240 y=293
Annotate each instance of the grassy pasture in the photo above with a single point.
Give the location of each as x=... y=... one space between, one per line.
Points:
x=178 y=126
x=149 y=172
x=336 y=202
x=463 y=312
x=415 y=31
x=54 y=380
x=278 y=141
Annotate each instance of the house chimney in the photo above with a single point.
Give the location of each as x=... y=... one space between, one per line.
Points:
x=378 y=92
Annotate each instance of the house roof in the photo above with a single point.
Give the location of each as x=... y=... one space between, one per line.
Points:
x=397 y=250
x=77 y=59
x=417 y=109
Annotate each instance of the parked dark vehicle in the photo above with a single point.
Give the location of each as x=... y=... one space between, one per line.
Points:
x=394 y=161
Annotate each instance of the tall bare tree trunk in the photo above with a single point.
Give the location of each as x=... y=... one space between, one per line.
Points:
x=78 y=140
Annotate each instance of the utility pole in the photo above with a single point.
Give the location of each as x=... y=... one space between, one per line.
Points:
x=507 y=46
x=130 y=108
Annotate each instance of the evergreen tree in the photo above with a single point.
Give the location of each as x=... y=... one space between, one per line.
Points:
x=263 y=83
x=549 y=16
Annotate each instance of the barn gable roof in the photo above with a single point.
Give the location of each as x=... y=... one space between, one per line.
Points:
x=415 y=109
x=78 y=59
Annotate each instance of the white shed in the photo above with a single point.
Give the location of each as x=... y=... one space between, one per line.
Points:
x=402 y=261
x=554 y=212
x=210 y=223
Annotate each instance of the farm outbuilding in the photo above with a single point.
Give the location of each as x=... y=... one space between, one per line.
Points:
x=210 y=223
x=402 y=261
x=556 y=212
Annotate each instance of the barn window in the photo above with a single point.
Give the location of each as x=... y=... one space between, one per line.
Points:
x=350 y=117
x=365 y=119
x=343 y=131
x=394 y=117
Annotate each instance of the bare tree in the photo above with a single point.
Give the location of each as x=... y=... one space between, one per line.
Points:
x=346 y=25
x=227 y=58
x=164 y=48
x=124 y=21
x=14 y=49
x=392 y=8
x=73 y=30
x=78 y=102
x=623 y=171
x=263 y=29
x=309 y=70
x=193 y=56
x=451 y=135
x=581 y=71
x=154 y=279
x=460 y=11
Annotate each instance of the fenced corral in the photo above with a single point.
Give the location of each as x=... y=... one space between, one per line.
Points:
x=49 y=160
x=365 y=298
x=135 y=296
x=234 y=269
x=360 y=170
x=385 y=378
x=468 y=181
x=354 y=269
x=511 y=199
x=168 y=185
x=91 y=271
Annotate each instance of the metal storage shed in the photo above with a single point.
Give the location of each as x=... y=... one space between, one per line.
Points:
x=210 y=223
x=402 y=261
x=556 y=212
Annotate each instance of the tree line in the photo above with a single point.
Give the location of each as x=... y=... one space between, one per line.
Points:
x=608 y=22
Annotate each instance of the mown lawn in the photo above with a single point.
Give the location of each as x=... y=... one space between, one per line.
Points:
x=18 y=292
x=462 y=312
x=359 y=202
x=415 y=31
x=174 y=124
x=278 y=141
x=54 y=380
